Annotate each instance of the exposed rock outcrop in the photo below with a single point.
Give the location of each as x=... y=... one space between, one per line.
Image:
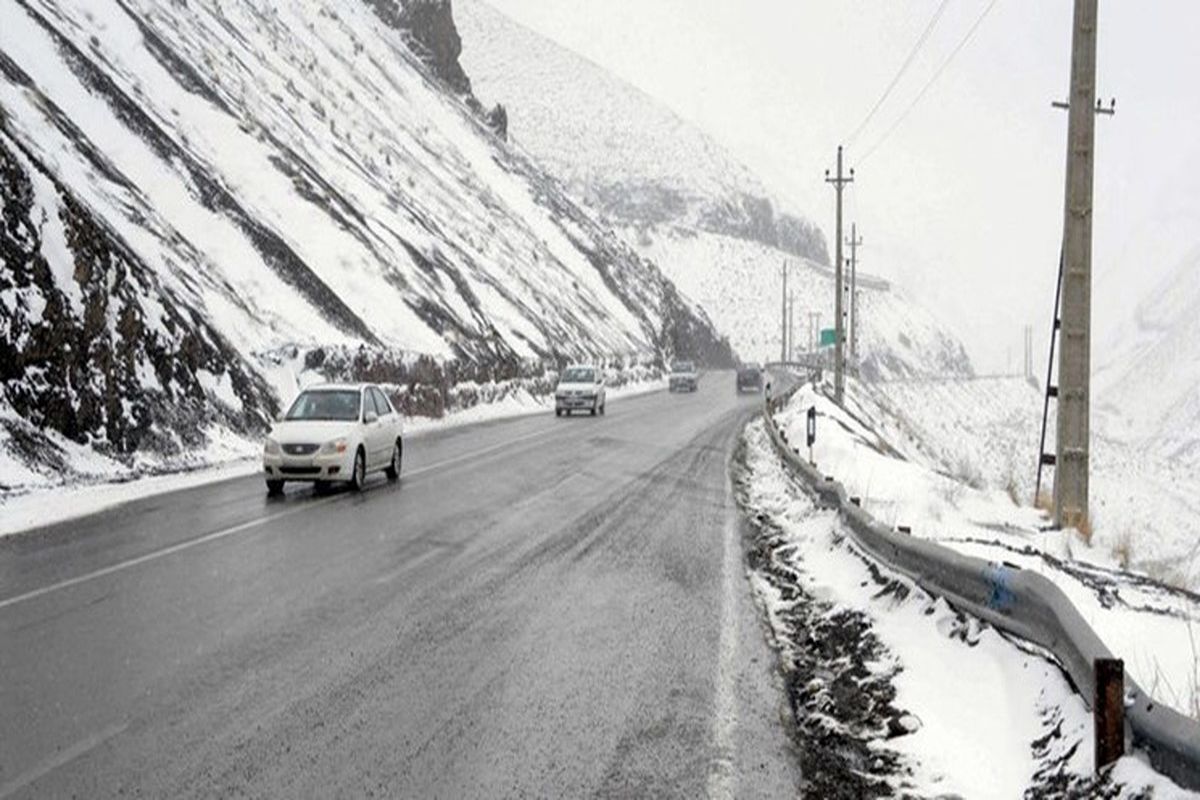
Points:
x=429 y=27
x=94 y=348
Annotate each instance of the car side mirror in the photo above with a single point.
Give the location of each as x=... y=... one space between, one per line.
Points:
x=370 y=417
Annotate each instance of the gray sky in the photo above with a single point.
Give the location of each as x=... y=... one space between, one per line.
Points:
x=963 y=203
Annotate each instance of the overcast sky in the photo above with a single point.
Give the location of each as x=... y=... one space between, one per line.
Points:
x=963 y=202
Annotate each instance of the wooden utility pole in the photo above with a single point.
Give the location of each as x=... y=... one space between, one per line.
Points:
x=783 y=339
x=1074 y=366
x=854 y=241
x=839 y=323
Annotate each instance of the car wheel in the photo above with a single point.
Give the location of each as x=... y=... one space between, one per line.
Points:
x=558 y=412
x=393 y=469
x=359 y=476
x=274 y=488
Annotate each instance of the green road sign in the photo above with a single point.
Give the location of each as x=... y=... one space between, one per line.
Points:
x=828 y=337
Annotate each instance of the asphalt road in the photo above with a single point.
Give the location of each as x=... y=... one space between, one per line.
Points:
x=540 y=608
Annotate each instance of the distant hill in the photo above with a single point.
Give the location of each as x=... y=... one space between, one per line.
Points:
x=1147 y=377
x=683 y=202
x=616 y=149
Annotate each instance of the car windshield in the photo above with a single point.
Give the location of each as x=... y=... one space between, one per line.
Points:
x=340 y=405
x=578 y=375
x=683 y=366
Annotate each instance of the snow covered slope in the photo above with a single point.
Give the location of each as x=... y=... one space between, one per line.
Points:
x=1147 y=386
x=683 y=202
x=615 y=148
x=739 y=284
x=189 y=188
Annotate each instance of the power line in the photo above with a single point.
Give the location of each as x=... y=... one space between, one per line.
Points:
x=912 y=54
x=932 y=80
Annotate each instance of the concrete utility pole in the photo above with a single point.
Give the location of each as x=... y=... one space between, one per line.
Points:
x=1074 y=366
x=791 y=325
x=839 y=323
x=814 y=330
x=1028 y=352
x=783 y=338
x=854 y=241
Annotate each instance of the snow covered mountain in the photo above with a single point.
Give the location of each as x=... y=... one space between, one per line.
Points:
x=684 y=203
x=192 y=193
x=1148 y=378
x=616 y=149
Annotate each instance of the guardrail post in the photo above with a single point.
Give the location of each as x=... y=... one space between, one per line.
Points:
x=1108 y=711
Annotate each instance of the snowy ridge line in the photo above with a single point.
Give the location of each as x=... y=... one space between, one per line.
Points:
x=1014 y=600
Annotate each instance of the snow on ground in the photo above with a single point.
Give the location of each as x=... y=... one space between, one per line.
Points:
x=31 y=500
x=937 y=685
x=1145 y=504
x=923 y=474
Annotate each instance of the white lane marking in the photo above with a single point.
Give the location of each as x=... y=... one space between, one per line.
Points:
x=157 y=554
x=722 y=782
x=60 y=759
x=245 y=526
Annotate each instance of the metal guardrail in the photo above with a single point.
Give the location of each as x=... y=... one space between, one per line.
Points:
x=1017 y=601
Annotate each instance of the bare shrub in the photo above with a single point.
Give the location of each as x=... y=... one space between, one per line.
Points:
x=965 y=471
x=1122 y=551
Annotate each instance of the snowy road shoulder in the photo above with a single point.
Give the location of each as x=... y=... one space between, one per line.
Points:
x=893 y=691
x=1154 y=627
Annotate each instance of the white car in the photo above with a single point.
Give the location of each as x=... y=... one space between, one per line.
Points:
x=334 y=433
x=580 y=388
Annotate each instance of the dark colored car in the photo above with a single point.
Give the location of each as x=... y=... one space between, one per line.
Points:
x=684 y=377
x=749 y=379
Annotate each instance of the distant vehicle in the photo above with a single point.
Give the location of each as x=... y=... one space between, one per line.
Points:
x=334 y=433
x=750 y=379
x=580 y=388
x=683 y=377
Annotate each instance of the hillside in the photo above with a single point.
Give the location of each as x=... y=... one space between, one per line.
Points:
x=680 y=200
x=616 y=149
x=197 y=195
x=1147 y=382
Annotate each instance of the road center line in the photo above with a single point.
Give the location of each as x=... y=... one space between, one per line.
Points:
x=248 y=525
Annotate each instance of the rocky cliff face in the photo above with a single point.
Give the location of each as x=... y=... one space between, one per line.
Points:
x=94 y=347
x=429 y=27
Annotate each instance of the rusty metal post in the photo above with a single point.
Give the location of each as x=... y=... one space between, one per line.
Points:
x=1108 y=711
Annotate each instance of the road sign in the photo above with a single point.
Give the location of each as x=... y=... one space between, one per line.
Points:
x=828 y=337
x=812 y=425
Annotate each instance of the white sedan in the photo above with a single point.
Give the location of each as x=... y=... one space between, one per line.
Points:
x=334 y=433
x=580 y=388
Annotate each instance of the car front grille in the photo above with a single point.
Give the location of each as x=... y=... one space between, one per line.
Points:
x=300 y=449
x=300 y=470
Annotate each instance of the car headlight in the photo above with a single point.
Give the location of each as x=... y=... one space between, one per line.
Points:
x=270 y=447
x=334 y=446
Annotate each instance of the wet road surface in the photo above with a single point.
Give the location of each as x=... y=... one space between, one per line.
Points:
x=541 y=607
